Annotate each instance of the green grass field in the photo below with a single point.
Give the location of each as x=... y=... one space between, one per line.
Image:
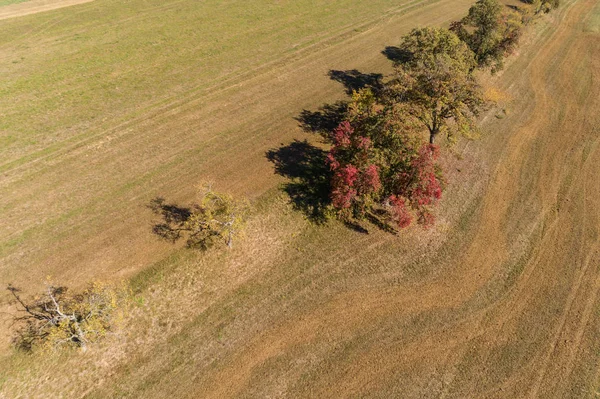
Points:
x=104 y=63
x=7 y=2
x=105 y=105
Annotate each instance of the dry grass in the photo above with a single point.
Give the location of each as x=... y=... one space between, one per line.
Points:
x=499 y=300
x=20 y=8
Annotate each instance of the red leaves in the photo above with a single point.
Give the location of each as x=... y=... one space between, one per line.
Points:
x=399 y=212
x=342 y=134
x=348 y=175
x=348 y=183
x=364 y=143
x=342 y=197
x=362 y=180
x=343 y=191
x=333 y=163
x=370 y=181
x=427 y=187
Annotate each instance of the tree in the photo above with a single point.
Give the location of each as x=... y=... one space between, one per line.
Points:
x=216 y=217
x=545 y=6
x=492 y=34
x=434 y=84
x=58 y=319
x=379 y=166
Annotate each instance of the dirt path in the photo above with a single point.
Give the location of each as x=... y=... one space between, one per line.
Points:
x=35 y=6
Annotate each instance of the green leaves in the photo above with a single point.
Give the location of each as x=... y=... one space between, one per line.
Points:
x=490 y=33
x=434 y=85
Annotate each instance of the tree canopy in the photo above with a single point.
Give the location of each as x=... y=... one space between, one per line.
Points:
x=434 y=84
x=216 y=217
x=490 y=33
x=381 y=170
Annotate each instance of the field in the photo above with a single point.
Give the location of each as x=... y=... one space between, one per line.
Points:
x=106 y=105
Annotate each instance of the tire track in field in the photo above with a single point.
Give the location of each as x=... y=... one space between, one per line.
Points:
x=195 y=96
x=368 y=306
x=36 y=6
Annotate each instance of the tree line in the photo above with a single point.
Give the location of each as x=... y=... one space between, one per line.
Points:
x=380 y=165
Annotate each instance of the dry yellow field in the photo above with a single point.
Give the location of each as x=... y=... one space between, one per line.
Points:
x=499 y=300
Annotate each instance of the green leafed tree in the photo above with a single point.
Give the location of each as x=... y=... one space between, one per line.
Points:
x=491 y=33
x=433 y=83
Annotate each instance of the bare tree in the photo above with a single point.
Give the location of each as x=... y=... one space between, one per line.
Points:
x=58 y=319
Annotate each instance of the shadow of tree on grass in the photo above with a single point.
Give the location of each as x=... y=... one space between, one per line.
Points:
x=396 y=54
x=329 y=116
x=324 y=120
x=304 y=165
x=173 y=219
x=354 y=80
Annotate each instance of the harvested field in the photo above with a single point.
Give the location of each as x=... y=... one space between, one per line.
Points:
x=19 y=8
x=500 y=299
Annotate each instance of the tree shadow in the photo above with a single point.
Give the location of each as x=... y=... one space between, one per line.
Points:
x=308 y=188
x=173 y=219
x=396 y=54
x=379 y=219
x=352 y=225
x=324 y=120
x=354 y=80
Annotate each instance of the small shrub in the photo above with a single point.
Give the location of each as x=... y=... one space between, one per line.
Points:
x=217 y=217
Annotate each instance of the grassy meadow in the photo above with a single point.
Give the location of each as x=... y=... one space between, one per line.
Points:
x=106 y=105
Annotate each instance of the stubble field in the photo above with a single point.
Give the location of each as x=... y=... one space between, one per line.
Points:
x=105 y=106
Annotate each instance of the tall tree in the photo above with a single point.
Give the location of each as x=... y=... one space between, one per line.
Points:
x=380 y=167
x=433 y=83
x=490 y=33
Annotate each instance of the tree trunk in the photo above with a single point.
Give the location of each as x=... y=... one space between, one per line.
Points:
x=434 y=129
x=230 y=239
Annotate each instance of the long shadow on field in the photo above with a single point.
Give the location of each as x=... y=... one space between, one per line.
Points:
x=304 y=165
x=354 y=80
x=396 y=54
x=329 y=116
x=173 y=219
x=323 y=120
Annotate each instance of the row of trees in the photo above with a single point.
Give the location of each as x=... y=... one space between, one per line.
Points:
x=380 y=166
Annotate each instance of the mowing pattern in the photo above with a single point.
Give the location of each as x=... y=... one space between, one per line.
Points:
x=500 y=301
x=92 y=128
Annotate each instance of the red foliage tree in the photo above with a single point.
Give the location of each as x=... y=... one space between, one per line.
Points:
x=378 y=166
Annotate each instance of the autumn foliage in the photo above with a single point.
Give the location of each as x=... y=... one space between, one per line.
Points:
x=59 y=319
x=380 y=169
